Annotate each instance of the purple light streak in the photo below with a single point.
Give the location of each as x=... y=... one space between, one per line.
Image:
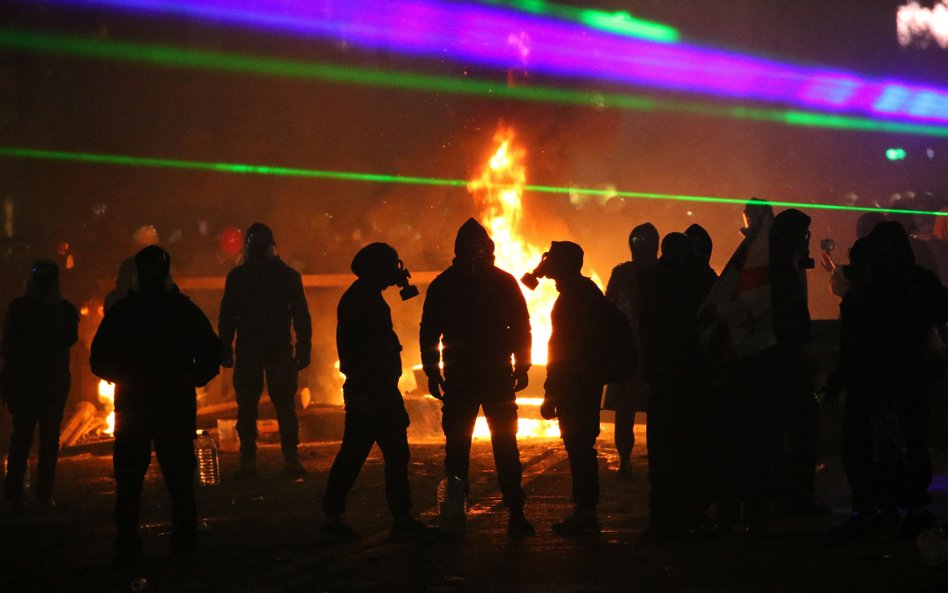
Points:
x=503 y=38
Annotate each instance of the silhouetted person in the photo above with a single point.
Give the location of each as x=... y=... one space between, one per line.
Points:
x=575 y=375
x=738 y=340
x=370 y=358
x=702 y=246
x=39 y=329
x=262 y=298
x=798 y=410
x=871 y=446
x=623 y=289
x=680 y=410
x=478 y=313
x=157 y=347
x=912 y=301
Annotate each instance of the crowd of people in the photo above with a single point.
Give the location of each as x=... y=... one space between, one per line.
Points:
x=718 y=361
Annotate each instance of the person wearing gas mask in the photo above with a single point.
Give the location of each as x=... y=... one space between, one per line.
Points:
x=679 y=425
x=262 y=298
x=157 y=347
x=623 y=289
x=575 y=375
x=370 y=358
x=789 y=261
x=39 y=330
x=478 y=313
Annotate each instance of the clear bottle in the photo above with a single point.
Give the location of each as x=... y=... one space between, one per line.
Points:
x=452 y=503
x=209 y=469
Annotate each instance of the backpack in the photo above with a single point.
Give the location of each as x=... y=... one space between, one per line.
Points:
x=620 y=357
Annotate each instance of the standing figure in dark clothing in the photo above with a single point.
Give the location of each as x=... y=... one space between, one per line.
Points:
x=370 y=358
x=262 y=298
x=680 y=411
x=911 y=302
x=798 y=410
x=477 y=312
x=157 y=347
x=38 y=332
x=575 y=375
x=623 y=289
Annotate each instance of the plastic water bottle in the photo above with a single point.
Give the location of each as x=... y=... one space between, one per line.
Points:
x=208 y=465
x=452 y=502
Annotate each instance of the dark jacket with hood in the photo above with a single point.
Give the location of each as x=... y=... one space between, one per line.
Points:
x=156 y=346
x=262 y=298
x=478 y=313
x=37 y=334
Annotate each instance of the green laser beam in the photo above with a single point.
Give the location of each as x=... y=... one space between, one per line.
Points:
x=619 y=22
x=244 y=64
x=247 y=169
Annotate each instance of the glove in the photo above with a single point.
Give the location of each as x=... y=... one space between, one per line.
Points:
x=521 y=380
x=302 y=357
x=548 y=409
x=227 y=357
x=436 y=385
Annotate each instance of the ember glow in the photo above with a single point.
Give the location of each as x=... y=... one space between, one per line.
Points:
x=107 y=397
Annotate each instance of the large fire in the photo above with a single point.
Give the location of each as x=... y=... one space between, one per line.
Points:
x=499 y=191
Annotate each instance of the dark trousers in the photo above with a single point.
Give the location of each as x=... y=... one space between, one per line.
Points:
x=917 y=469
x=799 y=413
x=625 y=437
x=679 y=459
x=579 y=427
x=48 y=416
x=750 y=436
x=458 y=416
x=281 y=376
x=361 y=432
x=871 y=452
x=131 y=458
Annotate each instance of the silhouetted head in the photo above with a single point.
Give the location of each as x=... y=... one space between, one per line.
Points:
x=867 y=222
x=790 y=238
x=643 y=243
x=153 y=265
x=894 y=249
x=473 y=245
x=377 y=263
x=757 y=214
x=863 y=256
x=44 y=278
x=701 y=243
x=564 y=260
x=259 y=242
x=677 y=251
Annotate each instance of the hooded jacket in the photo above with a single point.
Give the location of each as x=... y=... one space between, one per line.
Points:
x=477 y=312
x=156 y=346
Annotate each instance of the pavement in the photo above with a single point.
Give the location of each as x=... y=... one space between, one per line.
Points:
x=263 y=536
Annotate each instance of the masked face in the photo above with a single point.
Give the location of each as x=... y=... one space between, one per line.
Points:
x=400 y=279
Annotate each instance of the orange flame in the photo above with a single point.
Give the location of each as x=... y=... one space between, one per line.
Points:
x=499 y=189
x=107 y=397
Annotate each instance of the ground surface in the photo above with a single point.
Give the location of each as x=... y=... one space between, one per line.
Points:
x=263 y=536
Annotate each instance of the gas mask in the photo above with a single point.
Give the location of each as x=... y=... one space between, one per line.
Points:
x=532 y=279
x=401 y=276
